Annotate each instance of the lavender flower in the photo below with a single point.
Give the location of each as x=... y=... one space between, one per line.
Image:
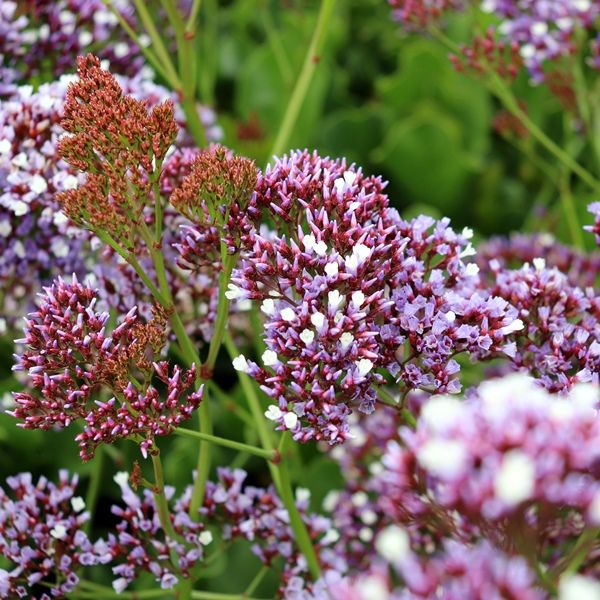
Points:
x=43 y=41
x=545 y=31
x=351 y=288
x=142 y=545
x=512 y=446
x=560 y=340
x=41 y=536
x=594 y=208
x=70 y=356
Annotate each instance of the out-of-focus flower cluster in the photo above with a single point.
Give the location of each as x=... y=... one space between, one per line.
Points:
x=71 y=355
x=544 y=31
x=42 y=537
x=348 y=287
x=418 y=14
x=40 y=40
x=594 y=208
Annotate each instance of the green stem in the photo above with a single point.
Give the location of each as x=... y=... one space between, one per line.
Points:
x=222 y=311
x=301 y=534
x=188 y=104
x=568 y=204
x=193 y=18
x=279 y=472
x=304 y=78
x=389 y=400
x=574 y=559
x=157 y=42
x=93 y=491
x=497 y=86
x=219 y=441
x=148 y=54
x=256 y=581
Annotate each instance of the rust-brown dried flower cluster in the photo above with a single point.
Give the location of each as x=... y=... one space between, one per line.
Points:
x=120 y=144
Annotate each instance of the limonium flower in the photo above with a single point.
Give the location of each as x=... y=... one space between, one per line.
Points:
x=594 y=208
x=41 y=40
x=512 y=252
x=351 y=288
x=559 y=342
x=70 y=356
x=418 y=14
x=510 y=447
x=42 y=538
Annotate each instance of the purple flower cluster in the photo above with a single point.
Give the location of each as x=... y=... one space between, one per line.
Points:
x=594 y=208
x=257 y=515
x=70 y=357
x=510 y=447
x=512 y=252
x=40 y=39
x=350 y=287
x=141 y=544
x=457 y=573
x=41 y=536
x=545 y=31
x=418 y=14
x=560 y=340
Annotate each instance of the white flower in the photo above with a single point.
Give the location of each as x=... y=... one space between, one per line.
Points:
x=442 y=458
x=361 y=252
x=359 y=499
x=516 y=325
x=308 y=241
x=331 y=269
x=393 y=544
x=468 y=251
x=58 y=532
x=268 y=307
x=467 y=233
x=120 y=584
x=77 y=503
x=317 y=319
x=5 y=228
x=578 y=587
x=515 y=481
x=346 y=339
x=121 y=478
x=302 y=494
x=450 y=316
x=205 y=538
x=330 y=501
x=38 y=184
x=441 y=412
x=288 y=314
x=471 y=270
x=334 y=298
x=331 y=537
x=59 y=248
x=320 y=248
x=358 y=298
x=307 y=336
x=364 y=365
x=240 y=363
x=273 y=413
x=234 y=292
x=290 y=420
x=270 y=358
x=539 y=264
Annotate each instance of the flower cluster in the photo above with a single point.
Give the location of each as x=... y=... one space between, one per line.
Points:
x=120 y=144
x=141 y=544
x=37 y=240
x=40 y=40
x=560 y=340
x=458 y=572
x=485 y=52
x=42 y=536
x=418 y=14
x=544 y=31
x=594 y=208
x=511 y=446
x=257 y=515
x=513 y=252
x=214 y=197
x=352 y=287
x=70 y=357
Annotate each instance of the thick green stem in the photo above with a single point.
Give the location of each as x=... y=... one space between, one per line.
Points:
x=219 y=441
x=301 y=534
x=279 y=472
x=93 y=491
x=304 y=78
x=573 y=560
